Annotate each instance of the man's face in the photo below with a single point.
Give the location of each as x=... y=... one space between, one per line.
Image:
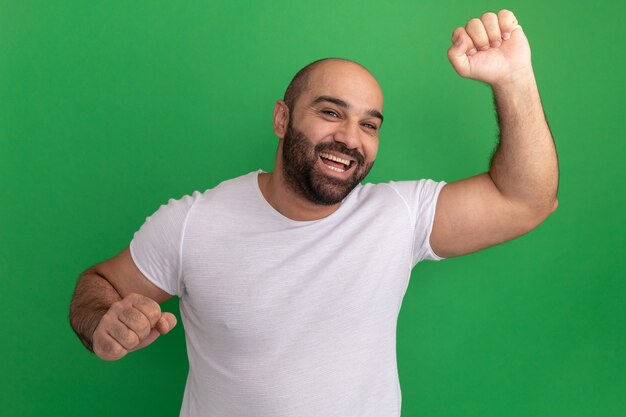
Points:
x=331 y=140
x=300 y=170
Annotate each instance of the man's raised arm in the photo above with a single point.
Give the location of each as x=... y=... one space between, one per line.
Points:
x=519 y=191
x=115 y=309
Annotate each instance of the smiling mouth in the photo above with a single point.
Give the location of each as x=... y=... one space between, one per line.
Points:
x=336 y=163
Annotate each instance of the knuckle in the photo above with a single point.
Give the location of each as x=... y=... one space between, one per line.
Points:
x=119 y=332
x=131 y=315
x=137 y=322
x=131 y=340
x=125 y=336
x=154 y=315
x=118 y=306
x=504 y=13
x=108 y=321
x=473 y=23
x=134 y=298
x=141 y=299
x=144 y=301
x=457 y=33
x=146 y=306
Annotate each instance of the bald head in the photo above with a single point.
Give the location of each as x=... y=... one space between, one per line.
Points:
x=324 y=68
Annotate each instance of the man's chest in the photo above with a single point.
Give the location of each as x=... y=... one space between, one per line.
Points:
x=258 y=285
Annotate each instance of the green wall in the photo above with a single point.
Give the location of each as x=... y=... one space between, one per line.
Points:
x=108 y=109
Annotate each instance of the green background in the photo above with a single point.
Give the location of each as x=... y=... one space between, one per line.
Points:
x=108 y=109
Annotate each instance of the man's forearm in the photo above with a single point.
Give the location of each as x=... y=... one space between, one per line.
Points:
x=92 y=298
x=524 y=167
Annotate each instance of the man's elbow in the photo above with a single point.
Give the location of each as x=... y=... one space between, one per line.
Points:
x=555 y=204
x=549 y=208
x=537 y=214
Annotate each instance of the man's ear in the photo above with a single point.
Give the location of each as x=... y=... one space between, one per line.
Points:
x=281 y=118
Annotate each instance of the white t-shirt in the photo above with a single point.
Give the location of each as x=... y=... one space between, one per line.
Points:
x=289 y=318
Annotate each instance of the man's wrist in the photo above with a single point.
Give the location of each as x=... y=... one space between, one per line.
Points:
x=87 y=327
x=521 y=79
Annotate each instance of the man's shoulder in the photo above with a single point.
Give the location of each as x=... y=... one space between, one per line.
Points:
x=229 y=194
x=242 y=184
x=234 y=188
x=245 y=183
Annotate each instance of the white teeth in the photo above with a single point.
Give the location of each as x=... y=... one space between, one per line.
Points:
x=335 y=158
x=336 y=169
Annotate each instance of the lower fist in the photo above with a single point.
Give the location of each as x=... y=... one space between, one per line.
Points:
x=130 y=324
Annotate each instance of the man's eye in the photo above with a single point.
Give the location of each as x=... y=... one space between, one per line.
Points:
x=370 y=126
x=331 y=113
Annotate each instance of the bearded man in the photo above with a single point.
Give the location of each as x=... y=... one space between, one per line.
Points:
x=290 y=282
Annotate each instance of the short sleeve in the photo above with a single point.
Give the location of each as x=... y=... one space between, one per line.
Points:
x=421 y=200
x=156 y=247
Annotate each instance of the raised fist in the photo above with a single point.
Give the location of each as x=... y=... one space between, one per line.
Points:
x=492 y=49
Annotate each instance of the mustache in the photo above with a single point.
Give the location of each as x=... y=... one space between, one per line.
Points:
x=340 y=147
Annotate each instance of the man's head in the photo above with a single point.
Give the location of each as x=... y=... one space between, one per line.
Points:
x=328 y=123
x=301 y=82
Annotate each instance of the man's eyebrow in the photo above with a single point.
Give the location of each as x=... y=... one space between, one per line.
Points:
x=339 y=102
x=376 y=113
x=333 y=100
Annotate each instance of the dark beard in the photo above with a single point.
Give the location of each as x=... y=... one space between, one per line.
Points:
x=299 y=159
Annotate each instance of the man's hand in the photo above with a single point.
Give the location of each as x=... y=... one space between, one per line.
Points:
x=492 y=49
x=130 y=324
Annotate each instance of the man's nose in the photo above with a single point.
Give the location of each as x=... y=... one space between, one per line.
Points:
x=348 y=134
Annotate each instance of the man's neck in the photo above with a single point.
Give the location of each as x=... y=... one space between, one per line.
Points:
x=291 y=205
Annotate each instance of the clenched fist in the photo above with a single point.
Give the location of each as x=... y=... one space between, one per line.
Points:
x=492 y=49
x=130 y=324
